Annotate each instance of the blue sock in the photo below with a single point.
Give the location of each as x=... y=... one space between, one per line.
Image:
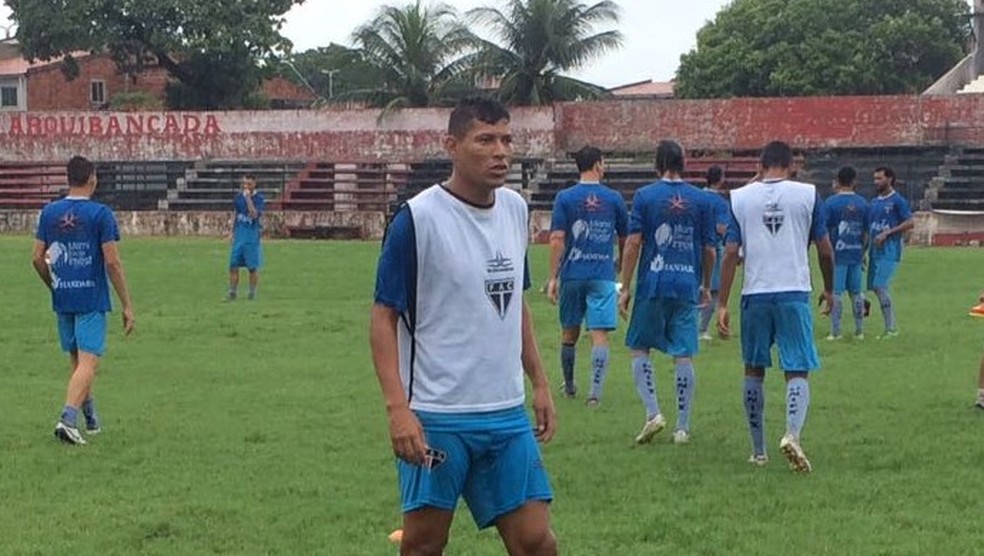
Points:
x=685 y=383
x=797 y=404
x=888 y=311
x=754 y=406
x=835 y=316
x=567 y=353
x=858 y=302
x=70 y=415
x=599 y=370
x=89 y=410
x=642 y=370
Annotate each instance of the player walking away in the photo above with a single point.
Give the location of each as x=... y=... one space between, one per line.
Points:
x=451 y=338
x=846 y=214
x=74 y=252
x=247 y=229
x=722 y=215
x=672 y=226
x=775 y=220
x=888 y=217
x=978 y=312
x=588 y=218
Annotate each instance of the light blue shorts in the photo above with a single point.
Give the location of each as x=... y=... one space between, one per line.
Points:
x=83 y=332
x=784 y=320
x=881 y=272
x=490 y=459
x=847 y=278
x=247 y=255
x=594 y=302
x=669 y=325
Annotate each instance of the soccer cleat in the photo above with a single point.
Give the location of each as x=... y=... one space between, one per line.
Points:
x=650 y=429
x=568 y=391
x=705 y=336
x=68 y=434
x=833 y=338
x=681 y=437
x=758 y=459
x=790 y=448
x=977 y=311
x=859 y=336
x=889 y=335
x=592 y=403
x=92 y=428
x=979 y=404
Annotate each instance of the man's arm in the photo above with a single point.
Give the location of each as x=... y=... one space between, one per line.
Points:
x=825 y=256
x=40 y=264
x=728 y=266
x=630 y=259
x=250 y=207
x=543 y=406
x=557 y=244
x=621 y=255
x=114 y=269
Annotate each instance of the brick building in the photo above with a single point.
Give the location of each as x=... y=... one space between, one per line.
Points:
x=42 y=86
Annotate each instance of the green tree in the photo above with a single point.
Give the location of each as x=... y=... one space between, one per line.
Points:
x=414 y=48
x=534 y=42
x=824 y=47
x=188 y=38
x=350 y=71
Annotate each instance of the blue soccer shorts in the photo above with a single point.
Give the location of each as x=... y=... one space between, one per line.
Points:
x=594 y=302
x=248 y=255
x=881 y=272
x=847 y=278
x=669 y=325
x=783 y=320
x=83 y=332
x=490 y=459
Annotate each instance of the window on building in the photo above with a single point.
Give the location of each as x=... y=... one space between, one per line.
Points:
x=97 y=93
x=8 y=96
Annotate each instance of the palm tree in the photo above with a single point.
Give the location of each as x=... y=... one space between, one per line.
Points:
x=536 y=41
x=414 y=47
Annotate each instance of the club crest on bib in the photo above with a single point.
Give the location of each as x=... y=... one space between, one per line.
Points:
x=773 y=217
x=500 y=285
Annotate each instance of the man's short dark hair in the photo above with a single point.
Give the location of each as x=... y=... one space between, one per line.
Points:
x=846 y=176
x=250 y=177
x=475 y=108
x=79 y=171
x=714 y=175
x=777 y=155
x=587 y=157
x=889 y=173
x=669 y=157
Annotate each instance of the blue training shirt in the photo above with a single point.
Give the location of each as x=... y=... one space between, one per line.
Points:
x=247 y=229
x=885 y=213
x=847 y=223
x=73 y=231
x=591 y=216
x=676 y=221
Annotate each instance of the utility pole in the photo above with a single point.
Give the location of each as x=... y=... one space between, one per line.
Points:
x=331 y=81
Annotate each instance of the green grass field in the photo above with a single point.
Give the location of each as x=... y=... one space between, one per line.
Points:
x=258 y=428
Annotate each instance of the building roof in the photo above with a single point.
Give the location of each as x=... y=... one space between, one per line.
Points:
x=18 y=66
x=648 y=88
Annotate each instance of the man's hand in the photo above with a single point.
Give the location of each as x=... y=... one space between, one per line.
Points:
x=723 y=322
x=128 y=321
x=881 y=238
x=407 y=436
x=546 y=416
x=552 y=290
x=826 y=303
x=705 y=298
x=623 y=302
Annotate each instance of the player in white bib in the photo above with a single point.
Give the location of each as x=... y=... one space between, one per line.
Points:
x=451 y=339
x=775 y=219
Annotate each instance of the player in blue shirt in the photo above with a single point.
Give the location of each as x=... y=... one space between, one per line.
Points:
x=247 y=229
x=846 y=214
x=888 y=218
x=75 y=249
x=672 y=226
x=718 y=192
x=588 y=218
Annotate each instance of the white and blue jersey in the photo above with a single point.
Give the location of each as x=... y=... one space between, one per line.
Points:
x=248 y=229
x=676 y=221
x=847 y=223
x=456 y=273
x=885 y=213
x=592 y=216
x=73 y=231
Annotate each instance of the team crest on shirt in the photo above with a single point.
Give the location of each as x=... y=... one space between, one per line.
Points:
x=678 y=204
x=68 y=221
x=500 y=289
x=773 y=217
x=592 y=203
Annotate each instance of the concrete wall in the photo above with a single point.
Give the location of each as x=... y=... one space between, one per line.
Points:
x=931 y=228
x=626 y=126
